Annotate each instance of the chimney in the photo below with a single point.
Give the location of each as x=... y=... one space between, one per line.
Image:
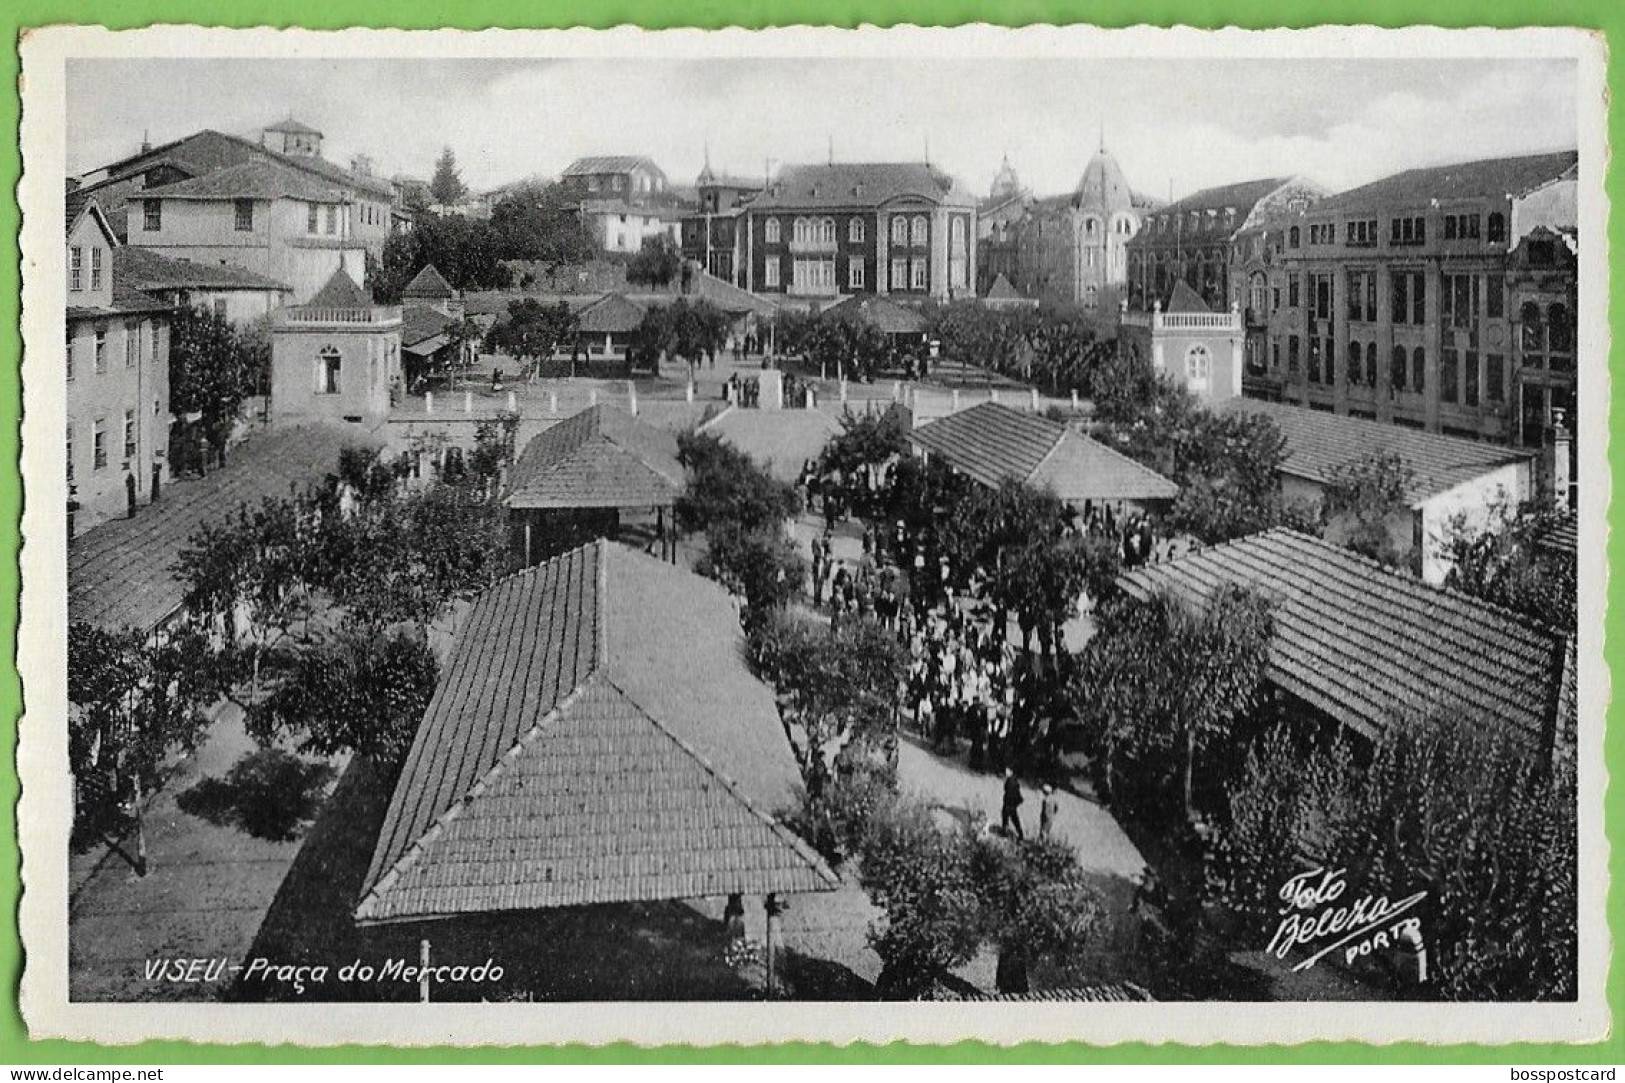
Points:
x=146 y=142
x=1558 y=440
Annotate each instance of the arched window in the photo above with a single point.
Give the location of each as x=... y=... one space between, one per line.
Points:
x=854 y=230
x=772 y=229
x=798 y=232
x=1198 y=364
x=899 y=231
x=1533 y=333
x=1559 y=338
x=1258 y=293
x=328 y=364
x=1495 y=230
x=919 y=236
x=1090 y=225
x=1396 y=369
x=956 y=234
x=826 y=231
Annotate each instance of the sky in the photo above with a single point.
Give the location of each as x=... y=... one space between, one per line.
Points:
x=1175 y=125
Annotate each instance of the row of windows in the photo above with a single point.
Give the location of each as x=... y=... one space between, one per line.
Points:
x=76 y=268
x=1464 y=299
x=906 y=232
x=133 y=331
x=1163 y=223
x=321 y=218
x=1404 y=230
x=98 y=443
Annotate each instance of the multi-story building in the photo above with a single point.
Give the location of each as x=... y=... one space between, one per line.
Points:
x=997 y=219
x=335 y=358
x=259 y=215
x=1183 y=339
x=1439 y=298
x=712 y=236
x=1073 y=249
x=366 y=199
x=116 y=366
x=1192 y=239
x=624 y=200
x=820 y=232
x=231 y=293
x=630 y=177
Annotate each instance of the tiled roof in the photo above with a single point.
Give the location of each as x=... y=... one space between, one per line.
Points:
x=781 y=440
x=1365 y=645
x=420 y=323
x=208 y=150
x=1184 y=299
x=889 y=317
x=1003 y=290
x=609 y=163
x=610 y=314
x=992 y=443
x=595 y=738
x=602 y=457
x=1562 y=538
x=127 y=301
x=257 y=178
x=1491 y=178
x=858 y=184
x=429 y=282
x=1317 y=443
x=1242 y=196
x=120 y=572
x=293 y=127
x=1115 y=992
x=144 y=269
x=340 y=291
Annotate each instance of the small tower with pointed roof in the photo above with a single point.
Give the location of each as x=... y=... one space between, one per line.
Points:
x=335 y=358
x=430 y=289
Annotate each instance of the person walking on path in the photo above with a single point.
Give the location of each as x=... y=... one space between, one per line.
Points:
x=1047 y=811
x=1011 y=815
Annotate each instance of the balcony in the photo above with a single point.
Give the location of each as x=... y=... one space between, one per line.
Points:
x=306 y=315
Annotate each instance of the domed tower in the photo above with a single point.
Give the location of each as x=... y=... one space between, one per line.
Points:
x=1104 y=217
x=1006 y=183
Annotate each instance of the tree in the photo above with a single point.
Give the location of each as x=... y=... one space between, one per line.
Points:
x=137 y=702
x=839 y=687
x=1161 y=683
x=1035 y=904
x=1503 y=561
x=1362 y=495
x=1446 y=803
x=659 y=262
x=355 y=691
x=688 y=330
x=726 y=487
x=534 y=331
x=762 y=565
x=446 y=187
x=462 y=249
x=213 y=367
x=539 y=222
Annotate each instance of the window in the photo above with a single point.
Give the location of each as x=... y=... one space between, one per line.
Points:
x=1419 y=370
x=1362 y=233
x=312 y=218
x=899 y=231
x=956 y=235
x=854 y=231
x=770 y=232
x=770 y=272
x=99 y=358
x=152 y=215
x=1292 y=354
x=76 y=268
x=592 y=184
x=1410 y=230
x=1362 y=288
x=1495 y=228
x=1494 y=378
x=1293 y=298
x=1314 y=359
x=919 y=234
x=1559 y=335
x=918 y=274
x=332 y=220
x=1459 y=300
x=70 y=357
x=219 y=308
x=1293 y=237
x=1533 y=329
x=244 y=210
x=1320 y=296
x=1198 y=364
x=1356 y=369
x=813 y=276
x=1331 y=360
x=1494 y=297
x=1275 y=355
x=328 y=364
x=1275 y=298
x=132 y=344
x=1257 y=293
x=1469 y=371
x=69 y=449
x=129 y=435
x=1448 y=377
x=1396 y=369
x=617 y=182
x=98 y=444
x=899 y=274
x=95 y=268
x=854 y=272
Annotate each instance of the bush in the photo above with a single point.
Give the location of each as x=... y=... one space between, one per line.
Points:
x=835 y=821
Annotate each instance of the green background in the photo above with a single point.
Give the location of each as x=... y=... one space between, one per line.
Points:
x=1607 y=16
